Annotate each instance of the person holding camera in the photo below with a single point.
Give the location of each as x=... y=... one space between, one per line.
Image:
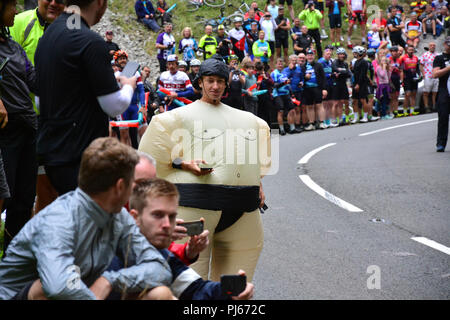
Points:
x=236 y=83
x=165 y=43
x=311 y=18
x=153 y=205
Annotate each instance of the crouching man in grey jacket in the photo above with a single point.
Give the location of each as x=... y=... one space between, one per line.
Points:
x=63 y=252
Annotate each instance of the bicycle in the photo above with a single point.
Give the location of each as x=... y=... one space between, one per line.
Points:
x=226 y=21
x=194 y=5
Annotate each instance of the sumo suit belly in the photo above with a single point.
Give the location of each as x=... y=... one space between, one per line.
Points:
x=230 y=141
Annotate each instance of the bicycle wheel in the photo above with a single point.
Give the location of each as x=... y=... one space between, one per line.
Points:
x=191 y=6
x=215 y=3
x=229 y=20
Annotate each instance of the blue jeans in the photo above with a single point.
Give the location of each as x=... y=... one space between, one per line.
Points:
x=151 y=24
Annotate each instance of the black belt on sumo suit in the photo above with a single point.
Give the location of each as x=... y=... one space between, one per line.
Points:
x=233 y=201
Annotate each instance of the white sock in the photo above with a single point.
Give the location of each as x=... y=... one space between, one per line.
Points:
x=292 y=126
x=281 y=127
x=411 y=110
x=365 y=115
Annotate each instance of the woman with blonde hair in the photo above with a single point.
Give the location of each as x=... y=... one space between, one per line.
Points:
x=188 y=46
x=383 y=76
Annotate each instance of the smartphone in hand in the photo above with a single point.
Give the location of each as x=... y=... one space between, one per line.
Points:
x=233 y=285
x=194 y=228
x=130 y=69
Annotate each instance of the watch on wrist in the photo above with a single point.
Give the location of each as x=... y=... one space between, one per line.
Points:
x=176 y=163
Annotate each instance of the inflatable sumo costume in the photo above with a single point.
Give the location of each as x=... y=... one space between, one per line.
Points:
x=236 y=144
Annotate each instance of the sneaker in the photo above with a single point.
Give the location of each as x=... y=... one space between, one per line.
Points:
x=364 y=120
x=440 y=149
x=390 y=116
x=424 y=35
x=322 y=125
x=349 y=45
x=334 y=124
x=324 y=34
x=434 y=37
x=414 y=113
x=354 y=120
x=374 y=118
x=282 y=132
x=334 y=44
x=338 y=44
x=310 y=127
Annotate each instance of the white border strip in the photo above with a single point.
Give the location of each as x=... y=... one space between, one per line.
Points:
x=432 y=244
x=309 y=155
x=325 y=194
x=395 y=127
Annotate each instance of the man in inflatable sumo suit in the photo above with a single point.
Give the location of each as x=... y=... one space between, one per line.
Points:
x=216 y=155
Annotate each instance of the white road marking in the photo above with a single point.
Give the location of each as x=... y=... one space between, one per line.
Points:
x=325 y=194
x=395 y=127
x=318 y=189
x=309 y=155
x=432 y=244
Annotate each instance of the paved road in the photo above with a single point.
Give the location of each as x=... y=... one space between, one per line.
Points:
x=315 y=249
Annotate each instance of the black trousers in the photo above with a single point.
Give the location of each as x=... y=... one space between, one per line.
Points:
x=64 y=178
x=443 y=109
x=315 y=34
x=18 y=148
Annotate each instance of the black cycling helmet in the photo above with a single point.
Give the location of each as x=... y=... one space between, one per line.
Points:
x=214 y=66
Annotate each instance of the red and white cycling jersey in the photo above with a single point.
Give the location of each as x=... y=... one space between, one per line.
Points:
x=357 y=5
x=413 y=28
x=174 y=82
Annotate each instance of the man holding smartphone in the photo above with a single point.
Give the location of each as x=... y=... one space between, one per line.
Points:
x=77 y=91
x=154 y=204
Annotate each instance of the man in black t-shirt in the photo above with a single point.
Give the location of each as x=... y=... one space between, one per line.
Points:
x=77 y=91
x=303 y=41
x=112 y=46
x=395 y=26
x=282 y=34
x=441 y=70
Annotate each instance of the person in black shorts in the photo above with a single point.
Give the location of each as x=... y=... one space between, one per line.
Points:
x=290 y=8
x=282 y=34
x=314 y=91
x=339 y=92
x=441 y=70
x=334 y=15
x=360 y=90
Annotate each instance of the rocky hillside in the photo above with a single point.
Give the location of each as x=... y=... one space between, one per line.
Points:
x=134 y=43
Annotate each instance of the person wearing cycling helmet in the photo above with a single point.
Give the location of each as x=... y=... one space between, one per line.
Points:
x=339 y=90
x=177 y=82
x=129 y=135
x=228 y=192
x=195 y=67
x=237 y=37
x=360 y=88
x=183 y=66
